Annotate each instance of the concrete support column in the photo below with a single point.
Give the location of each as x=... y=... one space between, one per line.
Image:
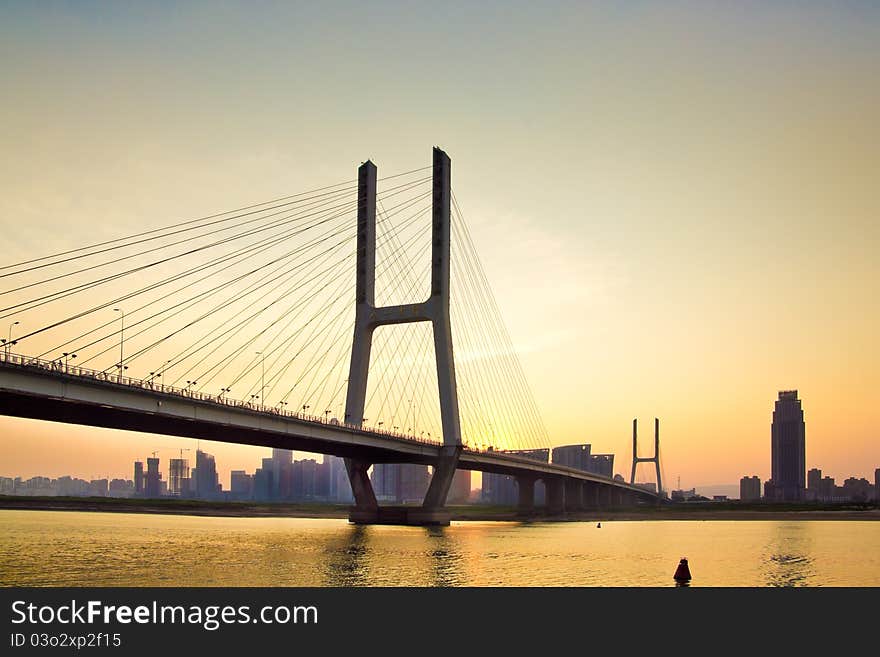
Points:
x=441 y=480
x=573 y=489
x=361 y=487
x=555 y=495
x=526 y=488
x=591 y=495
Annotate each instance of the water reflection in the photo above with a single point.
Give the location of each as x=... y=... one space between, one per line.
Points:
x=445 y=556
x=346 y=558
x=788 y=562
x=57 y=548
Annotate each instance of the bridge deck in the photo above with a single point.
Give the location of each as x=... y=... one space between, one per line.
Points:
x=45 y=390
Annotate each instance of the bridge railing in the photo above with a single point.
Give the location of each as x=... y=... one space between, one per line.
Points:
x=62 y=368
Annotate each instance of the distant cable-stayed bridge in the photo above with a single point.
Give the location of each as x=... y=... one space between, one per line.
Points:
x=322 y=321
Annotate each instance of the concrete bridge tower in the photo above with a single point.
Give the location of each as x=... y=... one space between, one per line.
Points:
x=368 y=317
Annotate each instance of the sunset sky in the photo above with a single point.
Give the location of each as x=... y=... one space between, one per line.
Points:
x=676 y=203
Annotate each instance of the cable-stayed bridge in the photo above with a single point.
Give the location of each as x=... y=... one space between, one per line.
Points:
x=320 y=322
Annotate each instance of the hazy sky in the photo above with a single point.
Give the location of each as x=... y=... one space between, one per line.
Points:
x=676 y=203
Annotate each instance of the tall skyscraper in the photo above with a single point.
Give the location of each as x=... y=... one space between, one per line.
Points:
x=877 y=485
x=340 y=488
x=814 y=485
x=207 y=484
x=400 y=482
x=788 y=447
x=138 y=477
x=152 y=486
x=282 y=473
x=178 y=476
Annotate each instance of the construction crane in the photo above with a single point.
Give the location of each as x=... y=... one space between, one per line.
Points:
x=182 y=450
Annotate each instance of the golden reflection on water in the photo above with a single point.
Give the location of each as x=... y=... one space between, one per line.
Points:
x=46 y=548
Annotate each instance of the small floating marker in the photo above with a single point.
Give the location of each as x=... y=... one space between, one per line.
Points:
x=682 y=573
x=599 y=525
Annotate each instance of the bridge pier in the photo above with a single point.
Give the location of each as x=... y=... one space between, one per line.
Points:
x=605 y=496
x=555 y=495
x=526 y=489
x=573 y=495
x=594 y=495
x=361 y=486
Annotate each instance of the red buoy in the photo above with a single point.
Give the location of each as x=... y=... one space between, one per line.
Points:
x=682 y=573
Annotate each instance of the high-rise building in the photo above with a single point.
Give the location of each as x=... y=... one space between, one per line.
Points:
x=207 y=484
x=814 y=479
x=263 y=483
x=788 y=447
x=241 y=485
x=572 y=456
x=340 y=487
x=153 y=479
x=178 y=473
x=282 y=473
x=499 y=489
x=322 y=480
x=400 y=482
x=138 y=477
x=877 y=485
x=304 y=480
x=750 y=488
x=602 y=464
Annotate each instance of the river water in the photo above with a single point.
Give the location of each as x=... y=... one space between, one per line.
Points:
x=60 y=548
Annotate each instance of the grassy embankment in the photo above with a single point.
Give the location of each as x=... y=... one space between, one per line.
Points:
x=681 y=511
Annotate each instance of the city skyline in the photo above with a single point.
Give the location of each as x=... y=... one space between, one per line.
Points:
x=680 y=254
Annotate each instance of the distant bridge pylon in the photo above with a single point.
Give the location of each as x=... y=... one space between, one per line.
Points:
x=647 y=459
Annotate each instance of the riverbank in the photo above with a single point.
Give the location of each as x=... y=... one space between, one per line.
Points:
x=685 y=511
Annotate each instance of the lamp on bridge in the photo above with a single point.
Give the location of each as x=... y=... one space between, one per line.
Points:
x=8 y=342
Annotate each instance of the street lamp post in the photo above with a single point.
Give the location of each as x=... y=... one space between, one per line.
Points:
x=9 y=336
x=66 y=354
x=121 y=339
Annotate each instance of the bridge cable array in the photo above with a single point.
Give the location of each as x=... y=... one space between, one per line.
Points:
x=257 y=304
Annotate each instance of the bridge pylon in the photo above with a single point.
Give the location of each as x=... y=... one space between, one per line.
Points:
x=368 y=317
x=647 y=459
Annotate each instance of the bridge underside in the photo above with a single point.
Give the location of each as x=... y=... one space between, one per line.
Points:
x=97 y=415
x=51 y=396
